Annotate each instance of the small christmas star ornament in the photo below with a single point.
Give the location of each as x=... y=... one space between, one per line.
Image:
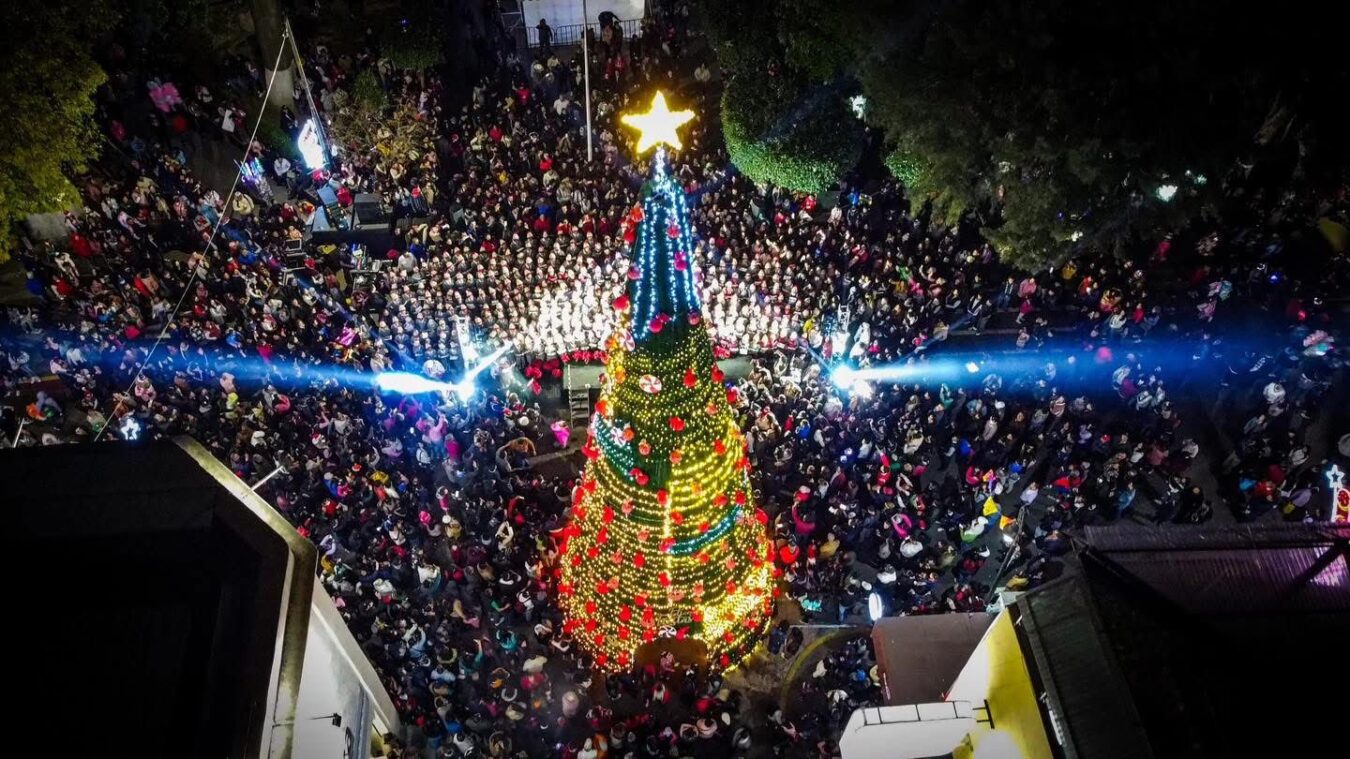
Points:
x=657 y=125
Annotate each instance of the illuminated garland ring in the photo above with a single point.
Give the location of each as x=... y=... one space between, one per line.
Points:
x=696 y=543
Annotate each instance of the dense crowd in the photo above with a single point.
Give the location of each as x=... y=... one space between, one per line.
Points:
x=1104 y=389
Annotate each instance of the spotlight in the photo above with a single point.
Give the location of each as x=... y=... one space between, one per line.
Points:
x=972 y=367
x=1166 y=192
x=843 y=375
x=464 y=389
x=407 y=383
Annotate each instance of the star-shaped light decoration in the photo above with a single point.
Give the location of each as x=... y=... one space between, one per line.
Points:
x=657 y=125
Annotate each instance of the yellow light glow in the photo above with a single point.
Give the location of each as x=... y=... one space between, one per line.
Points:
x=657 y=125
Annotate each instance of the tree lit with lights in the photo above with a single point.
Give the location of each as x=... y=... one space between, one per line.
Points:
x=665 y=540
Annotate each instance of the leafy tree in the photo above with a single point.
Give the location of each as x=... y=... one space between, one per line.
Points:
x=741 y=34
x=47 y=79
x=784 y=132
x=1066 y=124
x=784 y=126
x=367 y=91
x=275 y=139
x=364 y=122
x=179 y=34
x=414 y=46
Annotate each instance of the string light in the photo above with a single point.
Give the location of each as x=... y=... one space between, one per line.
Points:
x=664 y=538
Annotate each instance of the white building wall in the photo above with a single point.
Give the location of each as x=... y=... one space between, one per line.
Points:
x=567 y=12
x=337 y=679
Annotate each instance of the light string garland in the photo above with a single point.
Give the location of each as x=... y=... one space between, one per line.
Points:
x=664 y=539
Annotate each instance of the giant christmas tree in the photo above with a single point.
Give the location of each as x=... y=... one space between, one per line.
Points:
x=665 y=540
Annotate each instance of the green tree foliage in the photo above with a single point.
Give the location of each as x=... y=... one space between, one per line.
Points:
x=415 y=46
x=784 y=132
x=742 y=36
x=1057 y=121
x=365 y=121
x=782 y=125
x=47 y=79
x=367 y=91
x=179 y=34
x=271 y=135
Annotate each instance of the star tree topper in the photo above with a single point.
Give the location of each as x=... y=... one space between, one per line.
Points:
x=657 y=125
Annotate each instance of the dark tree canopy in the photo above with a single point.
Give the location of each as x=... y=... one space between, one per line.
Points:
x=788 y=133
x=47 y=79
x=783 y=126
x=1064 y=123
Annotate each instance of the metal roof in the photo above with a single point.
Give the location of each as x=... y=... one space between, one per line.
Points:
x=1167 y=640
x=1240 y=569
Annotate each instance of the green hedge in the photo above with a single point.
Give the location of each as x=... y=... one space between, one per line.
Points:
x=789 y=134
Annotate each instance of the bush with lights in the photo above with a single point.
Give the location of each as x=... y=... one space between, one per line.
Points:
x=664 y=540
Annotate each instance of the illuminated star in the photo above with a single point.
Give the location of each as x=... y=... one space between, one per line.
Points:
x=657 y=125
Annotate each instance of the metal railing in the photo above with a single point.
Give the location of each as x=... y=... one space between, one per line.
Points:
x=570 y=34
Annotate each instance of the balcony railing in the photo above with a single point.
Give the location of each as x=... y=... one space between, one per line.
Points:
x=570 y=34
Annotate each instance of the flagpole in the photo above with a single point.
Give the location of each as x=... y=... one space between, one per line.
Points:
x=586 y=73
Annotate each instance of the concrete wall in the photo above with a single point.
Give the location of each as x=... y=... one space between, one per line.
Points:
x=912 y=731
x=47 y=226
x=338 y=679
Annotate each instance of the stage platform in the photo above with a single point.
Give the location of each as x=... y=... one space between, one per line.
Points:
x=587 y=376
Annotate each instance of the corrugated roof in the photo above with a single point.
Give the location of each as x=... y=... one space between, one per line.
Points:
x=1241 y=569
x=1167 y=639
x=1086 y=690
x=922 y=655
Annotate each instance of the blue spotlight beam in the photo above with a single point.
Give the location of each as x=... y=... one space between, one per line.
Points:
x=1077 y=366
x=409 y=383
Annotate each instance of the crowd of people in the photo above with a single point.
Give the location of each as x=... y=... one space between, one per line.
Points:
x=1106 y=389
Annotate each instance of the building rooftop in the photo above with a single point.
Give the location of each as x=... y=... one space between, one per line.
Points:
x=925 y=653
x=158 y=594
x=1181 y=642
